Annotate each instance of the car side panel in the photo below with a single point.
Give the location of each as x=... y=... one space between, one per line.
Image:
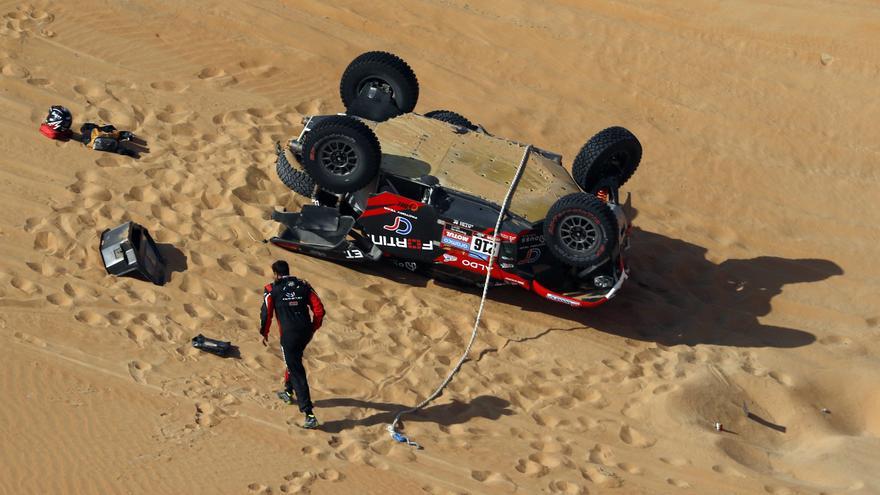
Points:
x=401 y=227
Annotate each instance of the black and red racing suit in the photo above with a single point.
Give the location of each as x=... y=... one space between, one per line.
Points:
x=290 y=299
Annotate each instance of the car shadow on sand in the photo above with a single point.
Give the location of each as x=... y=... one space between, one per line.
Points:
x=455 y=412
x=677 y=296
x=674 y=295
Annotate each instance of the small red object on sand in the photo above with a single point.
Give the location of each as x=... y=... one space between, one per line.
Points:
x=52 y=133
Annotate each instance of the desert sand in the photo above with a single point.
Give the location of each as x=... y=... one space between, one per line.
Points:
x=755 y=267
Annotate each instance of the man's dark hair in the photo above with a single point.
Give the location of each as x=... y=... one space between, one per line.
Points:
x=281 y=267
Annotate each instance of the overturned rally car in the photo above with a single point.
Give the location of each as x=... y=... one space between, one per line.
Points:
x=424 y=192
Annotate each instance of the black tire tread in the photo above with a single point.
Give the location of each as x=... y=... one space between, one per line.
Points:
x=346 y=125
x=296 y=180
x=588 y=202
x=390 y=61
x=586 y=158
x=451 y=117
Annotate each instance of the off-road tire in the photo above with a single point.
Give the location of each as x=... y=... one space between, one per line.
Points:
x=296 y=180
x=580 y=230
x=612 y=153
x=451 y=117
x=341 y=154
x=381 y=67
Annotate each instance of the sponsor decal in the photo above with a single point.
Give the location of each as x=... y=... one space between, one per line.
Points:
x=406 y=265
x=459 y=236
x=514 y=281
x=532 y=239
x=463 y=224
x=396 y=242
x=506 y=265
x=507 y=236
x=401 y=226
x=481 y=247
x=532 y=256
x=563 y=300
x=354 y=254
x=474 y=264
x=448 y=258
x=407 y=215
x=455 y=243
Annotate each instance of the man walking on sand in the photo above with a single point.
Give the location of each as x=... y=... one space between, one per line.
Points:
x=290 y=299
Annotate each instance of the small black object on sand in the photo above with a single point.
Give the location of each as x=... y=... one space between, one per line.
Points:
x=214 y=346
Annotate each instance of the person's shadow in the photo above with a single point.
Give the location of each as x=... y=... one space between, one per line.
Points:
x=455 y=412
x=676 y=296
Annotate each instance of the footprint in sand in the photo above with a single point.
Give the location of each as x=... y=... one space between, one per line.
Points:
x=495 y=479
x=14 y=70
x=566 y=487
x=174 y=114
x=258 y=69
x=46 y=241
x=311 y=107
x=205 y=415
x=531 y=468
x=39 y=81
x=316 y=453
x=782 y=378
x=170 y=86
x=835 y=340
x=630 y=468
x=550 y=461
x=120 y=318
x=675 y=461
x=29 y=339
x=259 y=489
x=331 y=475
x=601 y=454
x=778 y=490
x=230 y=264
x=634 y=409
x=727 y=471
x=678 y=483
x=25 y=285
x=217 y=76
x=109 y=161
x=59 y=299
x=666 y=388
x=601 y=476
x=141 y=335
x=91 y=91
x=146 y=193
x=137 y=370
x=91 y=318
x=635 y=438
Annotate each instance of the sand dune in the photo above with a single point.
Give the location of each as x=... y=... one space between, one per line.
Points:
x=754 y=260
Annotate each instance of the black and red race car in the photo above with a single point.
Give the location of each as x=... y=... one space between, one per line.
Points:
x=423 y=192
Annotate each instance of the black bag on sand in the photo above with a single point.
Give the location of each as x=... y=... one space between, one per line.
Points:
x=213 y=346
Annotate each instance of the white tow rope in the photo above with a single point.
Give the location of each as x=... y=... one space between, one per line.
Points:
x=392 y=428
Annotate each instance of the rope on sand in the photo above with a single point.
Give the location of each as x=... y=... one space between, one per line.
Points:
x=392 y=428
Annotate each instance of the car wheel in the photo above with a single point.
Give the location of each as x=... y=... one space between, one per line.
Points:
x=341 y=154
x=296 y=180
x=378 y=86
x=451 y=117
x=613 y=153
x=580 y=230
